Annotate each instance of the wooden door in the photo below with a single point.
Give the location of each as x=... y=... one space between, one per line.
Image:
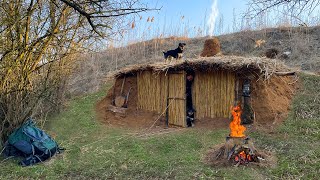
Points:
x=177 y=98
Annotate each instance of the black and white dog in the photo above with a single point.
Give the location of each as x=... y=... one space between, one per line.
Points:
x=190 y=117
x=176 y=53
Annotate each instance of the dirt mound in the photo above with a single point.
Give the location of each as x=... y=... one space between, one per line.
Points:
x=271 y=100
x=211 y=47
x=214 y=158
x=134 y=119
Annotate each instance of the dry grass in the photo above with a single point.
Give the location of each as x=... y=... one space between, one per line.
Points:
x=264 y=66
x=301 y=43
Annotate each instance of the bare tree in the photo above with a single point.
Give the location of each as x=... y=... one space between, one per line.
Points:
x=295 y=7
x=39 y=42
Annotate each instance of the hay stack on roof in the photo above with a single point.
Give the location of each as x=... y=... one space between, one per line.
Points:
x=211 y=47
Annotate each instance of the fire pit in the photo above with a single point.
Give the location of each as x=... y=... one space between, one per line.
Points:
x=240 y=151
x=238 y=148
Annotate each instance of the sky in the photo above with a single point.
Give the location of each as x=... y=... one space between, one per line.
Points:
x=188 y=17
x=194 y=18
x=197 y=12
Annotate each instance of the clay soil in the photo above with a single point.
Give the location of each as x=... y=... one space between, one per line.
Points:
x=271 y=100
x=135 y=119
x=212 y=123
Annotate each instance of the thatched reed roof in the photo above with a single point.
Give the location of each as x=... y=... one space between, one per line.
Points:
x=262 y=65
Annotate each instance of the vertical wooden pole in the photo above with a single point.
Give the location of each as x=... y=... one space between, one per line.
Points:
x=167 y=108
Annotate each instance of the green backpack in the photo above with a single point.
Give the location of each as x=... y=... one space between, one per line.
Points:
x=31 y=142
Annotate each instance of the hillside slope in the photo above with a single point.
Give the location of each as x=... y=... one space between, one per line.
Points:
x=301 y=42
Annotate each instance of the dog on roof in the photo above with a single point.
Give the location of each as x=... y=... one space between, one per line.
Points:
x=175 y=53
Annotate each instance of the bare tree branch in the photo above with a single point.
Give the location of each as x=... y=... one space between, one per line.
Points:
x=101 y=12
x=39 y=43
x=296 y=6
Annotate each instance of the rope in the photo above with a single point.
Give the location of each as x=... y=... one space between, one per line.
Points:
x=159 y=117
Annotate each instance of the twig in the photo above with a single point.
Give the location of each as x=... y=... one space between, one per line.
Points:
x=2 y=150
x=218 y=155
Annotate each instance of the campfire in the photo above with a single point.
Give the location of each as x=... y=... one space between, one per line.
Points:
x=239 y=147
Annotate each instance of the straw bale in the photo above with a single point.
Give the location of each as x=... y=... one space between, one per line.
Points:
x=211 y=47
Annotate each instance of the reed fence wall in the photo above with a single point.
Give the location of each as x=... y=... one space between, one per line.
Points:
x=213 y=93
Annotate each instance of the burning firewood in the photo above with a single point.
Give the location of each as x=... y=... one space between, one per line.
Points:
x=238 y=148
x=242 y=151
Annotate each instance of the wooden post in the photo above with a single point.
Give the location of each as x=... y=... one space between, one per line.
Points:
x=167 y=108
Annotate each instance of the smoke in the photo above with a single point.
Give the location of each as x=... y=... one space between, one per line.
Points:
x=213 y=16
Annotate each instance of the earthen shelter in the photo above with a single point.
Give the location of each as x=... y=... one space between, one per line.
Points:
x=217 y=85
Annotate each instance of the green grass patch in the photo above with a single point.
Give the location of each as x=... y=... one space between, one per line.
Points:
x=297 y=141
x=95 y=151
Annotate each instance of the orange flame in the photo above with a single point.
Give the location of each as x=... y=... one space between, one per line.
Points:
x=243 y=157
x=237 y=130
